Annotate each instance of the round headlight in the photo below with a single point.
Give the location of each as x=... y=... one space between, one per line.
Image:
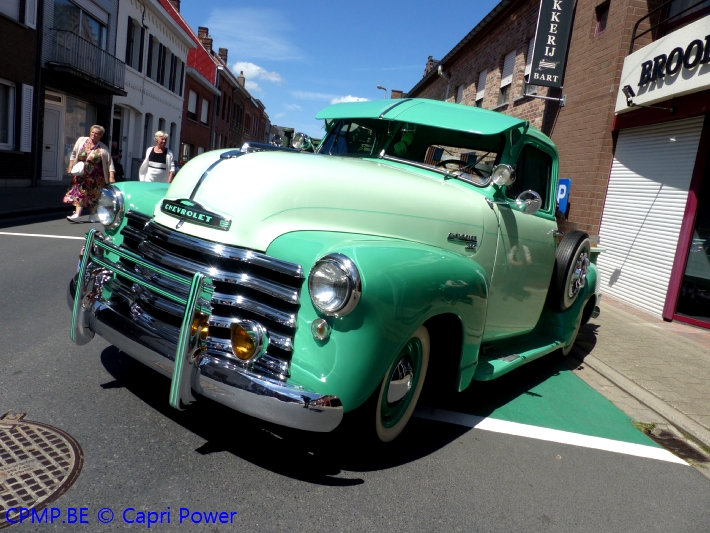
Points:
x=110 y=207
x=334 y=285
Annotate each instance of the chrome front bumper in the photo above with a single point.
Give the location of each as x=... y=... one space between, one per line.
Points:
x=282 y=403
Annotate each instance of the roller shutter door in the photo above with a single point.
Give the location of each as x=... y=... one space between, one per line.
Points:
x=645 y=202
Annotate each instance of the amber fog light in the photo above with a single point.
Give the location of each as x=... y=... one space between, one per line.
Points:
x=249 y=340
x=199 y=330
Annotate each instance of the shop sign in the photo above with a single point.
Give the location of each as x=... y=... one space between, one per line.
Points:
x=554 y=24
x=674 y=65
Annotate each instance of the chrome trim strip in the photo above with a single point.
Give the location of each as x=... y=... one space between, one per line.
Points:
x=242 y=302
x=133 y=233
x=204 y=177
x=139 y=217
x=286 y=404
x=227 y=252
x=163 y=257
x=390 y=108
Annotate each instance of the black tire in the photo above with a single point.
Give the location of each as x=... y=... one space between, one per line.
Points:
x=564 y=288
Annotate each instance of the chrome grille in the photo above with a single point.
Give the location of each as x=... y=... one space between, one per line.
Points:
x=247 y=285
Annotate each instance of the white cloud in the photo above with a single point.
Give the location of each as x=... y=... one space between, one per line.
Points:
x=255 y=72
x=279 y=115
x=293 y=107
x=253 y=87
x=306 y=95
x=254 y=33
x=348 y=98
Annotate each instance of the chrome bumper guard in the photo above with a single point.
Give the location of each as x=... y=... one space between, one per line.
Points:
x=182 y=354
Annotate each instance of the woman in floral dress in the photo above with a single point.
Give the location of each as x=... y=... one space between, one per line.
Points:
x=86 y=187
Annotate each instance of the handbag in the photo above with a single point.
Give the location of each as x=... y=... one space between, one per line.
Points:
x=77 y=169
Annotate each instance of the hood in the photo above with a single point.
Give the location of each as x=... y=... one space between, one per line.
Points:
x=268 y=194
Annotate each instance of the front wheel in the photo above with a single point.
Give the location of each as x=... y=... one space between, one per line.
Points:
x=401 y=386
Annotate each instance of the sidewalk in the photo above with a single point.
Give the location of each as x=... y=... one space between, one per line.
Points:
x=664 y=365
x=21 y=201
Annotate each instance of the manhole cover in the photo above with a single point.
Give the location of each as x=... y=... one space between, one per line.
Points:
x=38 y=463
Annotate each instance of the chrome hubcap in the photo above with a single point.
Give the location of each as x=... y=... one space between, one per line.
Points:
x=400 y=381
x=579 y=275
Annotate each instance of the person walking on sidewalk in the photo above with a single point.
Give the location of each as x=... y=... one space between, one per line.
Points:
x=89 y=165
x=158 y=164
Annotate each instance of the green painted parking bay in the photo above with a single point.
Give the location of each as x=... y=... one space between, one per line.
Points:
x=544 y=394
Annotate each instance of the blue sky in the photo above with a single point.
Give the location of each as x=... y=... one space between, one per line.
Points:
x=299 y=57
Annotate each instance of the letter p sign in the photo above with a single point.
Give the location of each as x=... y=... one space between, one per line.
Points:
x=563 y=187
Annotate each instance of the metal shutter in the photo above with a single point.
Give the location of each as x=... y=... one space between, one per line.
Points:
x=481 y=87
x=506 y=76
x=26 y=123
x=11 y=8
x=645 y=202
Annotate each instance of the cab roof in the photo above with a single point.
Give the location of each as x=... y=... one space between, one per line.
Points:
x=430 y=113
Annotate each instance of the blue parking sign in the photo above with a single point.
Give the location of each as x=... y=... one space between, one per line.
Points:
x=563 y=187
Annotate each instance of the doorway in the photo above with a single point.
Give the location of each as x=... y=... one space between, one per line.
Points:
x=52 y=134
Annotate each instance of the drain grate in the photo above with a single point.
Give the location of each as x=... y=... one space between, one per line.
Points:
x=38 y=463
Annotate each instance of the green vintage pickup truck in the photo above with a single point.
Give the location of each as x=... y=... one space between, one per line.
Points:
x=417 y=246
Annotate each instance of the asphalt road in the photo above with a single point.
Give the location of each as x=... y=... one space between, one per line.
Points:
x=438 y=476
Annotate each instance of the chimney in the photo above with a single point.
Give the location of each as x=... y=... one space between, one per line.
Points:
x=397 y=94
x=175 y=4
x=223 y=55
x=240 y=78
x=205 y=39
x=430 y=64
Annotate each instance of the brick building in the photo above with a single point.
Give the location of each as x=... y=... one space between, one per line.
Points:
x=18 y=81
x=598 y=134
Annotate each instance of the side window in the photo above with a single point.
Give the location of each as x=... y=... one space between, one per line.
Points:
x=533 y=172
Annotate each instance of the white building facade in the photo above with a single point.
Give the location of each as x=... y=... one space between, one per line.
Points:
x=154 y=48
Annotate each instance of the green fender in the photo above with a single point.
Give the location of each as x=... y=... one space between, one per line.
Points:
x=403 y=285
x=137 y=196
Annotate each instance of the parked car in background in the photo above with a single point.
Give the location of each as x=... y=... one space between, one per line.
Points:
x=418 y=246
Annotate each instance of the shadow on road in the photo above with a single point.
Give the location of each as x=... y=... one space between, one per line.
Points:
x=323 y=459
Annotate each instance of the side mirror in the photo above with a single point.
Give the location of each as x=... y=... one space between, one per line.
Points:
x=301 y=141
x=503 y=175
x=528 y=202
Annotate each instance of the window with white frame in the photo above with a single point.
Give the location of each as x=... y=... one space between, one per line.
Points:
x=527 y=88
x=205 y=111
x=506 y=78
x=192 y=105
x=7 y=115
x=481 y=88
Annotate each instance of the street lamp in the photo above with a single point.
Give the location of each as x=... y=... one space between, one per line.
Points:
x=384 y=89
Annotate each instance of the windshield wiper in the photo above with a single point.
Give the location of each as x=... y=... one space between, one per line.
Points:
x=459 y=175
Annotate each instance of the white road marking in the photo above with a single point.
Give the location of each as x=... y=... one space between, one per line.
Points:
x=40 y=235
x=551 y=435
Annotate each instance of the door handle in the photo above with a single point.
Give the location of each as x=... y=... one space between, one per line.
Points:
x=555 y=232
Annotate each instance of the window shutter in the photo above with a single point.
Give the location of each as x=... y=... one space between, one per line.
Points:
x=149 y=62
x=129 y=42
x=182 y=73
x=31 y=13
x=528 y=59
x=26 y=124
x=506 y=76
x=481 y=87
x=140 y=52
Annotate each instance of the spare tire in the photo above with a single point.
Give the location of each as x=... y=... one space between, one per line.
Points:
x=570 y=273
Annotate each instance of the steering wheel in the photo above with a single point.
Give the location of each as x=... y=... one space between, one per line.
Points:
x=461 y=165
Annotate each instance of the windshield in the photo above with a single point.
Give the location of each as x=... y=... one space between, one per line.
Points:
x=450 y=150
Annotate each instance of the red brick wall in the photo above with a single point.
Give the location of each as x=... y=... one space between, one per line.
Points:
x=583 y=128
x=193 y=131
x=511 y=31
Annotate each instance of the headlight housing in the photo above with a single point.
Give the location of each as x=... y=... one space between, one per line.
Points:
x=334 y=285
x=110 y=207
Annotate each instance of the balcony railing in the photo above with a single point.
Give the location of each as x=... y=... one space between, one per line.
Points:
x=84 y=58
x=662 y=21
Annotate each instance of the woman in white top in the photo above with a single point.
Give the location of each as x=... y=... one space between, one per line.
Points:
x=158 y=164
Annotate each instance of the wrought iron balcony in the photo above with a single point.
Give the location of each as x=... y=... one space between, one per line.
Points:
x=74 y=54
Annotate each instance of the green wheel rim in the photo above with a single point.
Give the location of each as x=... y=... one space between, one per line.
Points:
x=391 y=414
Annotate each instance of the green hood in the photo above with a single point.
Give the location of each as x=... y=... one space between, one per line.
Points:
x=268 y=194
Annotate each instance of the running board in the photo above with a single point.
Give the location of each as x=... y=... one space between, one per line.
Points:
x=494 y=361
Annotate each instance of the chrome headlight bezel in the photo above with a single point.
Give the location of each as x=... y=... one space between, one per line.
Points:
x=114 y=208
x=353 y=289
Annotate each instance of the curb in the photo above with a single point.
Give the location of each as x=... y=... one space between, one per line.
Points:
x=684 y=423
